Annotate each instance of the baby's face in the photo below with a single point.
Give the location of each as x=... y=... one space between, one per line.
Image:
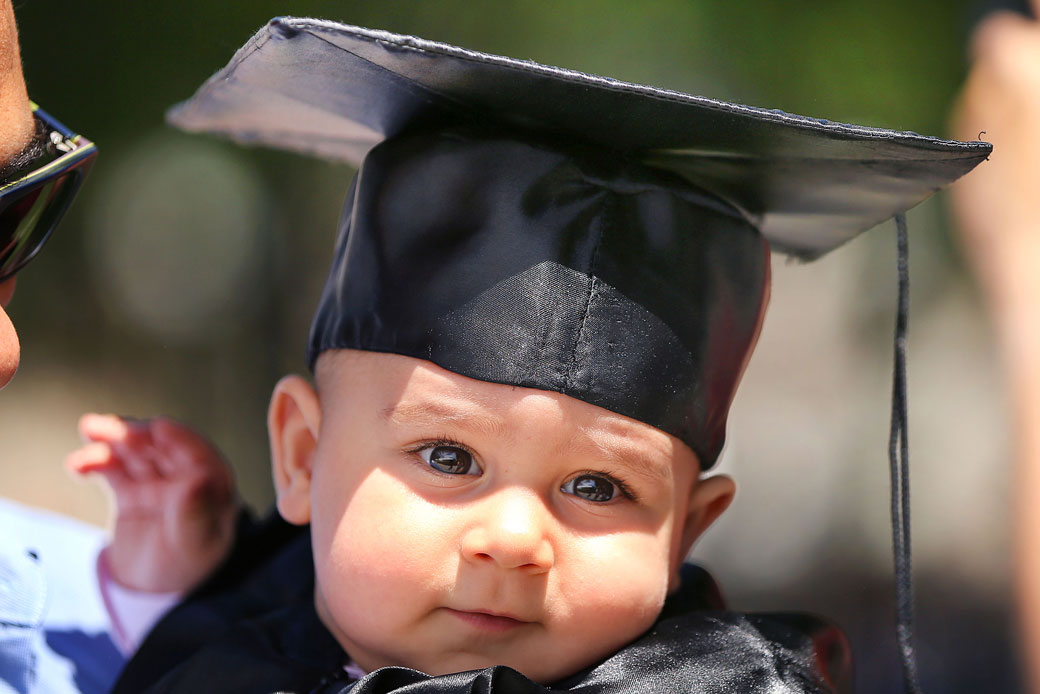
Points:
x=459 y=524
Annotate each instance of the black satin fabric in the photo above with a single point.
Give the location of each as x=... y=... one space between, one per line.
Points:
x=702 y=651
x=551 y=266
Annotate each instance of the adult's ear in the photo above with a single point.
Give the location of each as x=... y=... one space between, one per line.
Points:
x=293 y=425
x=708 y=499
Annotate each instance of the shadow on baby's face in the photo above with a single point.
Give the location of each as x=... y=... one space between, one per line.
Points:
x=459 y=524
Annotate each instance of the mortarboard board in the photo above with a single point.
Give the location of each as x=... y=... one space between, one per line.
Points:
x=334 y=90
x=541 y=227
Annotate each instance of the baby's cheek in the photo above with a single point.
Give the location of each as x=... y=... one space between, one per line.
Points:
x=604 y=628
x=366 y=560
x=633 y=607
x=387 y=542
x=619 y=597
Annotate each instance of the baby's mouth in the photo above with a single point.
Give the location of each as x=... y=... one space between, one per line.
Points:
x=488 y=621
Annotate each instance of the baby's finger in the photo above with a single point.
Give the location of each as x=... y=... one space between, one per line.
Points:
x=94 y=426
x=189 y=452
x=141 y=462
x=112 y=428
x=92 y=457
x=99 y=458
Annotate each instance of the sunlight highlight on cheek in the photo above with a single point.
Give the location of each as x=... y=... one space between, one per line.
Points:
x=602 y=616
x=602 y=581
x=385 y=529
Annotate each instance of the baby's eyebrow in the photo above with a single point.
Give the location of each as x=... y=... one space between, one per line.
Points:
x=435 y=413
x=633 y=459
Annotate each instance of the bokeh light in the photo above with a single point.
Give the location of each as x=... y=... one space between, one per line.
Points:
x=177 y=237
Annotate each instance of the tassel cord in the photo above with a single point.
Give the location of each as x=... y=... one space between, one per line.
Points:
x=899 y=469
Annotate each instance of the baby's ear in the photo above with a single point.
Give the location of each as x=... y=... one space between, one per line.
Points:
x=293 y=425
x=708 y=499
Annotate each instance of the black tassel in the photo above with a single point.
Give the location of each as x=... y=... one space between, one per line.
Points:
x=899 y=462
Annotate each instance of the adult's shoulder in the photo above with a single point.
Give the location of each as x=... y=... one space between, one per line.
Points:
x=55 y=609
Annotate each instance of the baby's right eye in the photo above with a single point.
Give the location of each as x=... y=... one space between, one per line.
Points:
x=451 y=460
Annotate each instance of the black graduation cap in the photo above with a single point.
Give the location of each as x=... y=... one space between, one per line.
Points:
x=535 y=226
x=335 y=90
x=677 y=318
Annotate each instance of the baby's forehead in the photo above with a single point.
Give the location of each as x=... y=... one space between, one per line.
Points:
x=411 y=393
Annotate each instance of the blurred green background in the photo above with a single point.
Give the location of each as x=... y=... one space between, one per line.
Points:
x=183 y=280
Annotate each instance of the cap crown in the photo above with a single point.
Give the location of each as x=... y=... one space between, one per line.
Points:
x=550 y=266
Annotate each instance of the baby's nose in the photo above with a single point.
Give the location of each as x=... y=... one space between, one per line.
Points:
x=511 y=529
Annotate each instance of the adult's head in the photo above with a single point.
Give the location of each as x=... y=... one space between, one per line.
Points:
x=41 y=167
x=16 y=129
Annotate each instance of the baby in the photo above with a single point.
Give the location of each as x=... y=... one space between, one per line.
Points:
x=492 y=525
x=544 y=293
x=459 y=524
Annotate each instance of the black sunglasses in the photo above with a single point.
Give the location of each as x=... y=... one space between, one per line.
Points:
x=33 y=203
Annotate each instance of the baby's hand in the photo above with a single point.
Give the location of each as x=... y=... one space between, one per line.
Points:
x=174 y=495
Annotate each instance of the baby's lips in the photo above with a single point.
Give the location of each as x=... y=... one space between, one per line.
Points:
x=495 y=614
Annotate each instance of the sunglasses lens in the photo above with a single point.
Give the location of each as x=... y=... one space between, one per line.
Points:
x=27 y=220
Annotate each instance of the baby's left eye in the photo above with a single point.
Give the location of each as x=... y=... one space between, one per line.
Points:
x=591 y=488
